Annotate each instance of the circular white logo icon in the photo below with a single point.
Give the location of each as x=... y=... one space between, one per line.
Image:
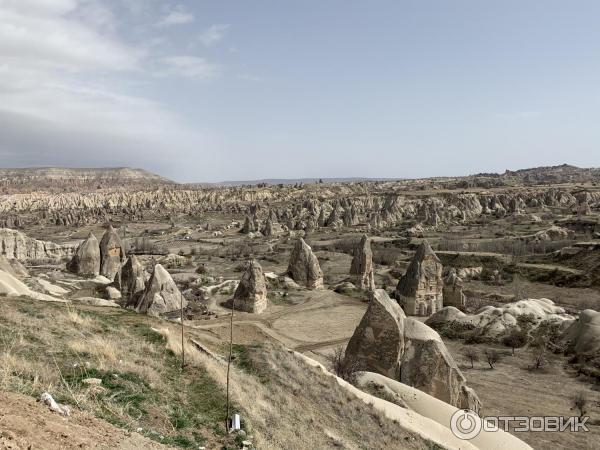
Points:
x=465 y=424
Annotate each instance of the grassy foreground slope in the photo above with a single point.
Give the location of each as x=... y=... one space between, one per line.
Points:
x=284 y=403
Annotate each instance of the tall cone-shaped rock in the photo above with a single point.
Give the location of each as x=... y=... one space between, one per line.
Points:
x=161 y=294
x=251 y=293
x=420 y=290
x=405 y=349
x=304 y=266
x=86 y=260
x=268 y=229
x=361 y=268
x=248 y=226
x=132 y=280
x=453 y=290
x=112 y=253
x=378 y=340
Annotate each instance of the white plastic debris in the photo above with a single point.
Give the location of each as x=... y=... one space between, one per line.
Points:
x=47 y=399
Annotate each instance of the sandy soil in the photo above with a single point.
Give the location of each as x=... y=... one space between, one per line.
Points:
x=27 y=424
x=513 y=390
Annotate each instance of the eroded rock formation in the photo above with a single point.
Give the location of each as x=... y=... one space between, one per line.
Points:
x=86 y=261
x=132 y=280
x=16 y=245
x=251 y=293
x=361 y=268
x=404 y=349
x=453 y=290
x=112 y=253
x=161 y=294
x=304 y=266
x=420 y=290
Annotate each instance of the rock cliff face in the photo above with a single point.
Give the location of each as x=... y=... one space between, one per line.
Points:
x=16 y=245
x=404 y=349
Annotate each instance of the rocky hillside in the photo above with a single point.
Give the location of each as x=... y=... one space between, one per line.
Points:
x=59 y=179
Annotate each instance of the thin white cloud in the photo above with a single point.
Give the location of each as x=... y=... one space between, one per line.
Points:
x=179 y=16
x=189 y=67
x=62 y=102
x=213 y=34
x=46 y=37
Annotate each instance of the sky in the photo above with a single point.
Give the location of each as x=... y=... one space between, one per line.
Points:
x=202 y=91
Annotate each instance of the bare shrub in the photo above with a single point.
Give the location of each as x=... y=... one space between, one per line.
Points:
x=492 y=357
x=343 y=367
x=472 y=356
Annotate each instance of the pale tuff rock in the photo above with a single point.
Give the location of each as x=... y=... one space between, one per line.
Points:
x=86 y=261
x=467 y=273
x=453 y=290
x=251 y=293
x=493 y=322
x=16 y=245
x=420 y=290
x=361 y=268
x=132 y=280
x=304 y=266
x=404 y=349
x=113 y=293
x=378 y=341
x=13 y=267
x=11 y=286
x=112 y=253
x=161 y=294
x=427 y=365
x=553 y=233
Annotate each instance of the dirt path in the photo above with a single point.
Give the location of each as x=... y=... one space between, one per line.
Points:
x=27 y=424
x=322 y=319
x=550 y=268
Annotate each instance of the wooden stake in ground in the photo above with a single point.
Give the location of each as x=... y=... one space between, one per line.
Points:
x=229 y=362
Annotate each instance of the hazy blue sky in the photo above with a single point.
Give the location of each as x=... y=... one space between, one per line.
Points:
x=221 y=90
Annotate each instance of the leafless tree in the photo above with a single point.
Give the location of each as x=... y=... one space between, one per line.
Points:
x=492 y=356
x=472 y=355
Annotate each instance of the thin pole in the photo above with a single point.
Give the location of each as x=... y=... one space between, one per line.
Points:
x=182 y=339
x=229 y=361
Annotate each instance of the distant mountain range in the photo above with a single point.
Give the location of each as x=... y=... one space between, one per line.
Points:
x=60 y=178
x=299 y=180
x=64 y=179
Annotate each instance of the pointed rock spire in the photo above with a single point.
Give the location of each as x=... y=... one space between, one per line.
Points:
x=251 y=293
x=86 y=260
x=304 y=266
x=361 y=268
